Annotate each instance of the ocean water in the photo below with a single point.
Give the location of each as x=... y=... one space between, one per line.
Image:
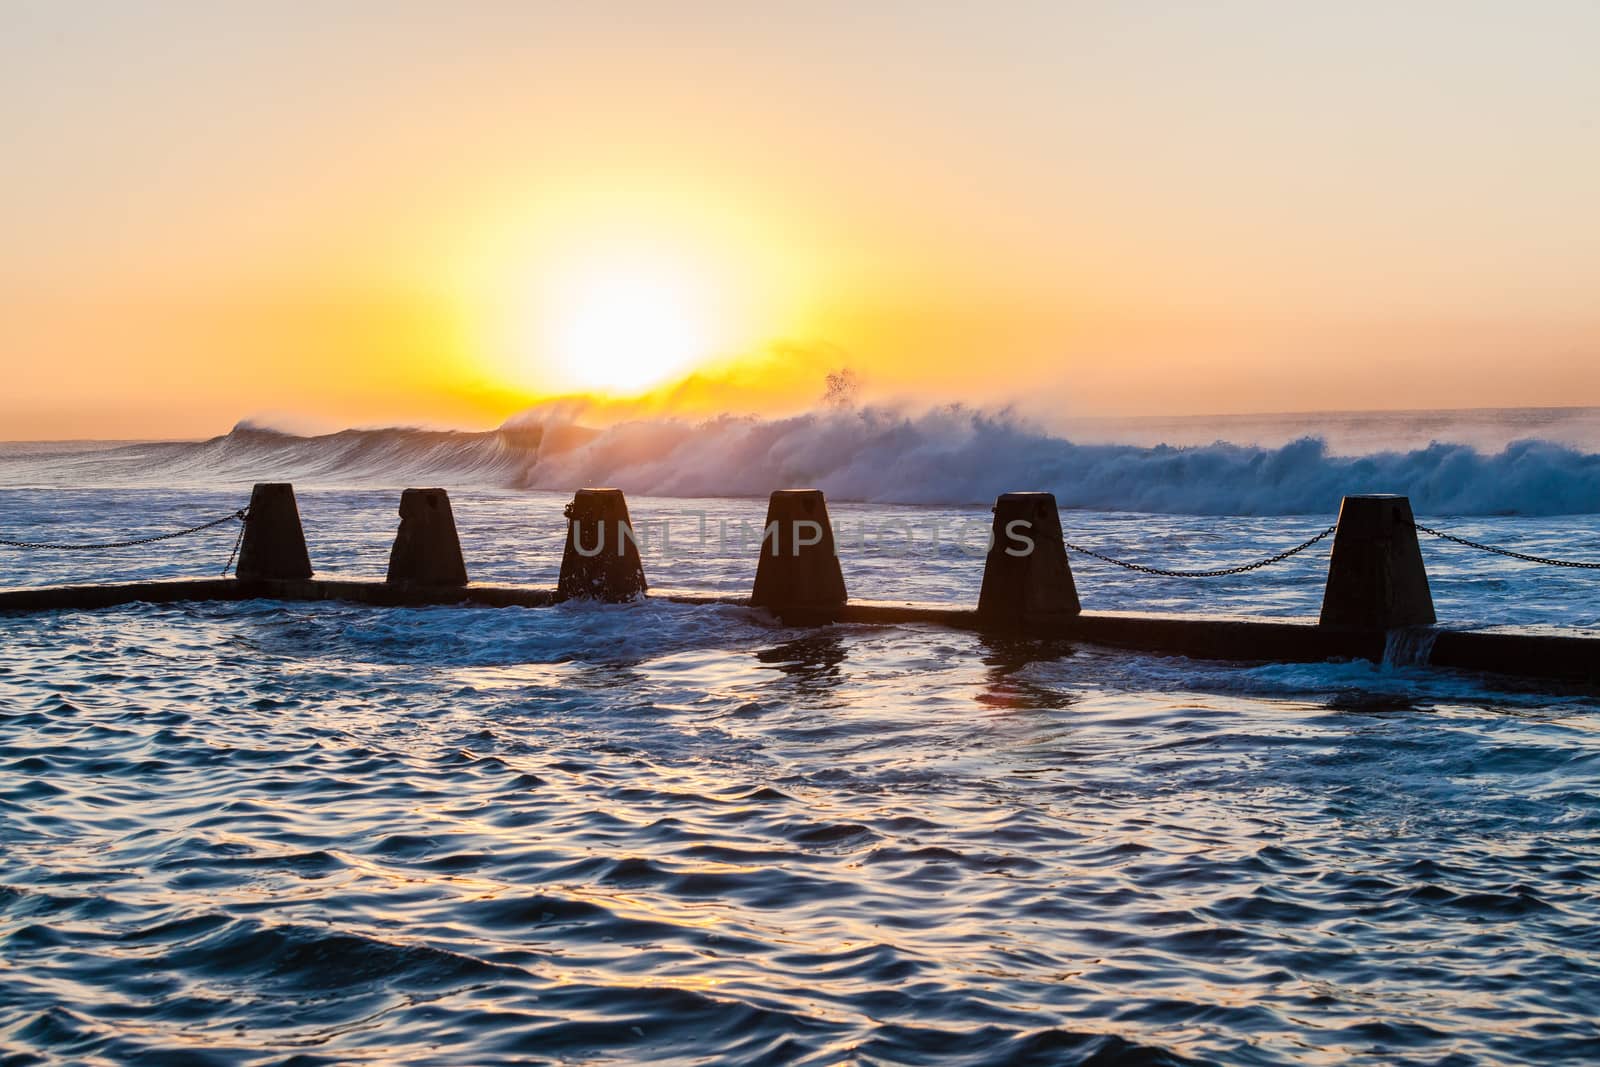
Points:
x=317 y=833
x=1511 y=462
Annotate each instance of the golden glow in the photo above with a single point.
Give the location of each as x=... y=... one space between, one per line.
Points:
x=716 y=211
x=626 y=326
x=620 y=288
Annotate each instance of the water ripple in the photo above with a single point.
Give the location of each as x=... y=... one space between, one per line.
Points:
x=314 y=834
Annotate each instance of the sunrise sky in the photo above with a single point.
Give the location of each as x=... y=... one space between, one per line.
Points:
x=380 y=213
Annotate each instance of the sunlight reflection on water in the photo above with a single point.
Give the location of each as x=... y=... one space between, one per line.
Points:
x=650 y=831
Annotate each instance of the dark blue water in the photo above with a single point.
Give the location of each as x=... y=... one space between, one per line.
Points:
x=313 y=833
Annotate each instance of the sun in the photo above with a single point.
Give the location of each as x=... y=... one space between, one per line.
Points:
x=623 y=326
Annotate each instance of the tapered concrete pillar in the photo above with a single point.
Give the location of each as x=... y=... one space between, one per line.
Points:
x=427 y=550
x=601 y=561
x=274 y=544
x=798 y=575
x=1376 y=579
x=1026 y=578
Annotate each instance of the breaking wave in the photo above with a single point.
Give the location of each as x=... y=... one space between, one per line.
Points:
x=949 y=456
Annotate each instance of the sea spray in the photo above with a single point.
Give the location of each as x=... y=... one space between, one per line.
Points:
x=946 y=456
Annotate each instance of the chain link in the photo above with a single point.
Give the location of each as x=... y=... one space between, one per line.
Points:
x=67 y=546
x=244 y=519
x=1506 y=551
x=1225 y=571
x=1281 y=556
x=243 y=513
x=1220 y=573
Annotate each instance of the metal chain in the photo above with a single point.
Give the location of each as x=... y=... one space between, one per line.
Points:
x=96 y=546
x=1241 y=569
x=1506 y=551
x=244 y=519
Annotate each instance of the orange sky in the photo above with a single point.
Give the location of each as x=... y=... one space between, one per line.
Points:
x=397 y=213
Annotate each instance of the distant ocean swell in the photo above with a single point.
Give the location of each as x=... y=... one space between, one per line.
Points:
x=952 y=456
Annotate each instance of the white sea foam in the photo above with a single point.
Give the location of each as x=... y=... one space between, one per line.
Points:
x=948 y=456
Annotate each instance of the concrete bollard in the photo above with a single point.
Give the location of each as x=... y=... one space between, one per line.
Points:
x=426 y=549
x=601 y=560
x=274 y=544
x=1026 y=577
x=1376 y=579
x=797 y=572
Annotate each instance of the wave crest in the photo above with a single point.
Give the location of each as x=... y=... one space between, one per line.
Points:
x=948 y=456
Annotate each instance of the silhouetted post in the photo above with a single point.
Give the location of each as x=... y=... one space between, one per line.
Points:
x=797 y=573
x=1026 y=577
x=601 y=561
x=1376 y=579
x=274 y=544
x=427 y=550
